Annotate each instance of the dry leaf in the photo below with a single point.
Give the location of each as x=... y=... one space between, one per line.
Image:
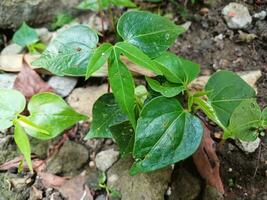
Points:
x=207 y=162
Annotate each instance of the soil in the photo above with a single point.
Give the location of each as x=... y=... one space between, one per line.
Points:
x=244 y=175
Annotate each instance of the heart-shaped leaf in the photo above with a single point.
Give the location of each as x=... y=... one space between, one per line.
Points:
x=151 y=33
x=176 y=69
x=12 y=103
x=165 y=134
x=51 y=113
x=69 y=52
x=226 y=90
x=106 y=113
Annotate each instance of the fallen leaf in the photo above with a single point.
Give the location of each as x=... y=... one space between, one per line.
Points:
x=28 y=82
x=207 y=162
x=51 y=180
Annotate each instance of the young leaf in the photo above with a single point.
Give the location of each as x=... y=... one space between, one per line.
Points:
x=98 y=59
x=167 y=89
x=25 y=36
x=137 y=56
x=106 y=113
x=226 y=90
x=124 y=3
x=245 y=121
x=176 y=69
x=12 y=103
x=123 y=134
x=122 y=84
x=165 y=134
x=94 y=5
x=69 y=52
x=52 y=114
x=151 y=33
x=22 y=141
x=264 y=118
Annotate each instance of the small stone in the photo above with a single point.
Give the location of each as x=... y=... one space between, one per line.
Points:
x=204 y=11
x=12 y=49
x=186 y=25
x=101 y=197
x=246 y=37
x=44 y=35
x=249 y=147
x=7 y=80
x=62 y=85
x=260 y=15
x=236 y=16
x=218 y=135
x=105 y=159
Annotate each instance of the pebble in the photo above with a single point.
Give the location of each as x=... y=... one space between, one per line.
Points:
x=7 y=80
x=12 y=49
x=236 y=16
x=105 y=159
x=44 y=35
x=249 y=147
x=62 y=85
x=260 y=15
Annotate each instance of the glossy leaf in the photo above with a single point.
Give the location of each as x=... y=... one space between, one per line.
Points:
x=106 y=113
x=123 y=134
x=124 y=3
x=166 y=89
x=226 y=90
x=122 y=84
x=23 y=143
x=165 y=134
x=264 y=117
x=25 y=36
x=136 y=56
x=176 y=69
x=51 y=113
x=94 y=5
x=245 y=121
x=69 y=52
x=151 y=33
x=12 y=103
x=98 y=58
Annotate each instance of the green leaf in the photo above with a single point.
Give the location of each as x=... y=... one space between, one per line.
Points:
x=124 y=3
x=25 y=36
x=165 y=134
x=106 y=113
x=245 y=121
x=176 y=69
x=98 y=59
x=151 y=33
x=12 y=103
x=122 y=84
x=51 y=113
x=167 y=89
x=23 y=144
x=136 y=56
x=226 y=90
x=123 y=134
x=264 y=117
x=69 y=52
x=94 y=5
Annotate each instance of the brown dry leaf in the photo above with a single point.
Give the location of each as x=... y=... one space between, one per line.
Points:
x=51 y=180
x=29 y=82
x=207 y=162
x=16 y=162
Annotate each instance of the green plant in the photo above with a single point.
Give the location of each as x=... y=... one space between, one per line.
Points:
x=102 y=183
x=49 y=116
x=61 y=19
x=27 y=37
x=164 y=128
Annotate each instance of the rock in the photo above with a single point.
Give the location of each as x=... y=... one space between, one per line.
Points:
x=101 y=197
x=70 y=158
x=7 y=80
x=62 y=85
x=44 y=35
x=246 y=37
x=211 y=193
x=185 y=186
x=12 y=49
x=82 y=99
x=34 y=12
x=260 y=15
x=236 y=16
x=145 y=186
x=249 y=147
x=105 y=159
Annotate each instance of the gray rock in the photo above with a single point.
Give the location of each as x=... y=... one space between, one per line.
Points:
x=260 y=15
x=62 y=85
x=145 y=186
x=44 y=35
x=211 y=193
x=12 y=49
x=185 y=186
x=236 y=16
x=14 y=12
x=101 y=197
x=7 y=80
x=249 y=147
x=105 y=159
x=70 y=158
